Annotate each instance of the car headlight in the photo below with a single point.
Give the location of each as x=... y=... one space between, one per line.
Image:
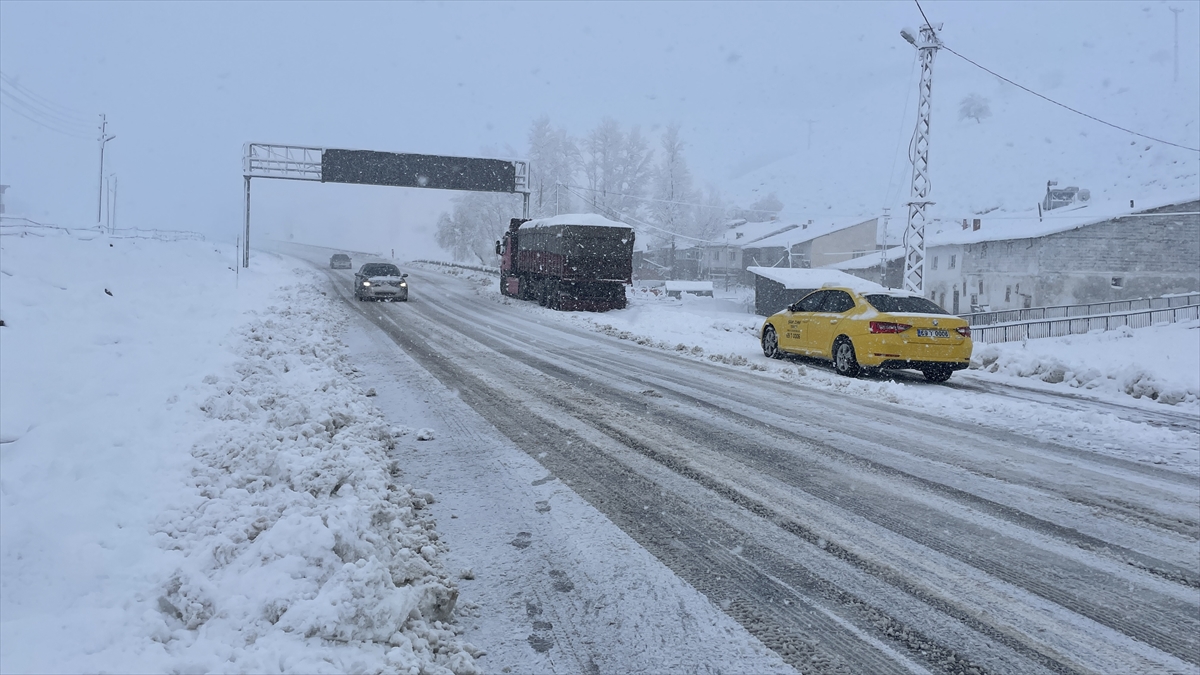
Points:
x=366 y=283
x=403 y=284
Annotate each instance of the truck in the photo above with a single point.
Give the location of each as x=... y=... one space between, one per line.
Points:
x=568 y=262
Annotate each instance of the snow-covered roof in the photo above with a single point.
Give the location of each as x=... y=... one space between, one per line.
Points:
x=752 y=232
x=866 y=261
x=1027 y=225
x=689 y=286
x=802 y=233
x=796 y=278
x=585 y=219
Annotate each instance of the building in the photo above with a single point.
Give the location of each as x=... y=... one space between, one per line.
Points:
x=777 y=287
x=815 y=245
x=1091 y=253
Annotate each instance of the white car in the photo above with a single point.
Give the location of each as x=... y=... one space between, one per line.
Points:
x=380 y=281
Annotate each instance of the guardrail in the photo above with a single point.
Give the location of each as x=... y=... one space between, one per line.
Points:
x=17 y=226
x=1072 y=311
x=1030 y=330
x=476 y=268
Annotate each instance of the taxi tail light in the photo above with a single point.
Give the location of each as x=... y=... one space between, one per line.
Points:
x=888 y=327
x=964 y=331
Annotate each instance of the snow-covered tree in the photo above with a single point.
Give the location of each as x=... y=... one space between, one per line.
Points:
x=974 y=107
x=553 y=159
x=617 y=168
x=673 y=209
x=478 y=220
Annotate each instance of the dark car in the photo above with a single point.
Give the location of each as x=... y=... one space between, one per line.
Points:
x=380 y=281
x=340 y=261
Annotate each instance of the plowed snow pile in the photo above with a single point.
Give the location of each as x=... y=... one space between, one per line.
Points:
x=192 y=481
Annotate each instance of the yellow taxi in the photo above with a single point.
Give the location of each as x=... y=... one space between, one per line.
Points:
x=871 y=329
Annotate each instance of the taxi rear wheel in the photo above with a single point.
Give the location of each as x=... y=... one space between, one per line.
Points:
x=770 y=344
x=844 y=360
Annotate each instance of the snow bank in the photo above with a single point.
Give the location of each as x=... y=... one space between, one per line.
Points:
x=324 y=559
x=183 y=490
x=1161 y=363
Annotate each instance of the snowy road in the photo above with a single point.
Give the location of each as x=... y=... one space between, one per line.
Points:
x=848 y=535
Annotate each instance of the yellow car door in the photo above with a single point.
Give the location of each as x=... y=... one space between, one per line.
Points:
x=799 y=323
x=825 y=324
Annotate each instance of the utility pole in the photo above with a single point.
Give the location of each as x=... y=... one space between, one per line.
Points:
x=887 y=216
x=104 y=138
x=110 y=185
x=914 y=233
x=1176 y=11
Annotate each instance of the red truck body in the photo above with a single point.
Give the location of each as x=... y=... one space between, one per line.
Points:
x=567 y=266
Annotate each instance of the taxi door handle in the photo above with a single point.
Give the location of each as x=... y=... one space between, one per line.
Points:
x=833 y=321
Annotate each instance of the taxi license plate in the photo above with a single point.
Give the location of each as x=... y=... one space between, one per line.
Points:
x=933 y=333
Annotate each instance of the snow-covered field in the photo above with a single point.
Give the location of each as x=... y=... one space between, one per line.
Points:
x=191 y=478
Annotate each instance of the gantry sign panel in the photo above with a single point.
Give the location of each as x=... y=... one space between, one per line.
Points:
x=371 y=167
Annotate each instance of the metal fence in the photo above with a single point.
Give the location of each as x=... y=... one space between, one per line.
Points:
x=16 y=226
x=1030 y=330
x=1071 y=311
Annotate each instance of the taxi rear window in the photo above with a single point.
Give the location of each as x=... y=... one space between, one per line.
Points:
x=904 y=304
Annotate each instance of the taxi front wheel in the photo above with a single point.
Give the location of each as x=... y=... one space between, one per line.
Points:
x=770 y=344
x=844 y=360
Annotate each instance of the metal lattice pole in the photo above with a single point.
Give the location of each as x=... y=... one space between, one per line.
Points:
x=914 y=234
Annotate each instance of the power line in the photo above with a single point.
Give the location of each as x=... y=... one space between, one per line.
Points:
x=570 y=188
x=43 y=114
x=1046 y=98
x=45 y=102
x=1078 y=112
x=43 y=124
x=922 y=13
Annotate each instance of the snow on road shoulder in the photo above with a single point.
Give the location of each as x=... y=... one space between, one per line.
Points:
x=1160 y=363
x=323 y=559
x=189 y=480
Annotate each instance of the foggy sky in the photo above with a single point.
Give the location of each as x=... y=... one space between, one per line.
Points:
x=184 y=85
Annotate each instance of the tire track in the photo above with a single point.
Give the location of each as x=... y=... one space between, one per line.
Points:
x=756 y=614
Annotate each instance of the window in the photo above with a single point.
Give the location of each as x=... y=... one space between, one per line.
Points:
x=1118 y=282
x=837 y=301
x=811 y=302
x=953 y=259
x=942 y=302
x=934 y=265
x=974 y=301
x=1008 y=293
x=904 y=304
x=981 y=287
